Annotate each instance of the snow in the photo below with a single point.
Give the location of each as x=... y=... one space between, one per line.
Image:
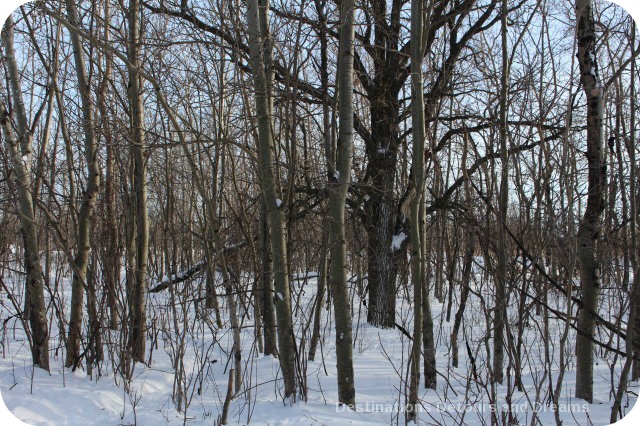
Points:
x=397 y=241
x=380 y=362
x=278 y=203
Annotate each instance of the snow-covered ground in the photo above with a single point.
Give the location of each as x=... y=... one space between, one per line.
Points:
x=64 y=397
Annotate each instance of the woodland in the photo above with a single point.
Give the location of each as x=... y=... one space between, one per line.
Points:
x=319 y=212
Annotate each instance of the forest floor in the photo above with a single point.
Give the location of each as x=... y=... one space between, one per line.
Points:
x=64 y=397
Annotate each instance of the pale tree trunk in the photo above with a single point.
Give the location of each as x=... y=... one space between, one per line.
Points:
x=137 y=316
x=83 y=231
x=338 y=185
x=500 y=309
x=282 y=299
x=20 y=153
x=417 y=164
x=589 y=228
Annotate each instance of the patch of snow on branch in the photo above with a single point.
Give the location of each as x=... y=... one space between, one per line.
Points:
x=397 y=241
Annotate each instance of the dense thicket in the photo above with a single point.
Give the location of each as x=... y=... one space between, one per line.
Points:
x=398 y=152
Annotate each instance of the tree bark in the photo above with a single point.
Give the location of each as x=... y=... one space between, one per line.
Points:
x=500 y=308
x=589 y=228
x=266 y=289
x=259 y=57
x=20 y=153
x=83 y=232
x=137 y=317
x=416 y=221
x=338 y=185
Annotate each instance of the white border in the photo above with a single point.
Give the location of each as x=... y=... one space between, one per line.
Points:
x=8 y=419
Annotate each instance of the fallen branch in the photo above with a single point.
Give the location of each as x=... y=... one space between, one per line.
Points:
x=182 y=276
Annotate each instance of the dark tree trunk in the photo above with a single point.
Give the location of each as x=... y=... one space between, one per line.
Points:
x=380 y=209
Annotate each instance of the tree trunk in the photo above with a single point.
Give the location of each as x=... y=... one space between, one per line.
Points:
x=137 y=331
x=589 y=228
x=338 y=185
x=380 y=212
x=267 y=293
x=89 y=198
x=282 y=298
x=500 y=309
x=112 y=258
x=416 y=220
x=20 y=153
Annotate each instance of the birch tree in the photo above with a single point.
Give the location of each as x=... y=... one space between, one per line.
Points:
x=589 y=228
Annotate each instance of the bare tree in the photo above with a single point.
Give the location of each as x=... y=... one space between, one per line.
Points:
x=338 y=184
x=83 y=244
x=19 y=145
x=589 y=229
x=139 y=243
x=282 y=297
x=500 y=313
x=416 y=219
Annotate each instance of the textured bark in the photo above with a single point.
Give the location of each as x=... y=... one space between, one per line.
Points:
x=259 y=57
x=379 y=212
x=19 y=147
x=589 y=228
x=83 y=231
x=382 y=152
x=338 y=185
x=389 y=61
x=137 y=316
